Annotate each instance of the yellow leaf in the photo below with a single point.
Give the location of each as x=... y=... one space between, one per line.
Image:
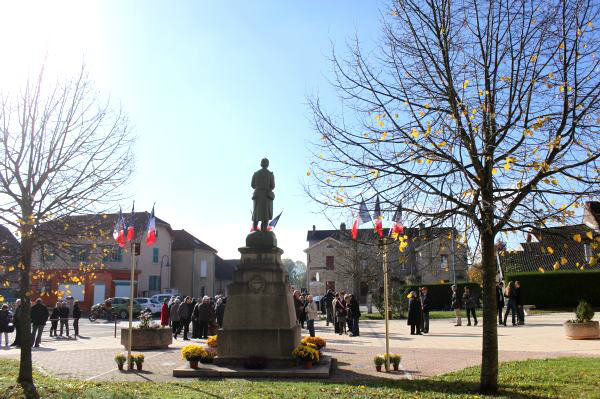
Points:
x=590 y=235
x=541 y=270
x=593 y=261
x=443 y=143
x=494 y=171
x=577 y=237
x=465 y=83
x=589 y=24
x=556 y=266
x=550 y=250
x=562 y=45
x=550 y=75
x=308 y=172
x=415 y=133
x=563 y=261
x=507 y=166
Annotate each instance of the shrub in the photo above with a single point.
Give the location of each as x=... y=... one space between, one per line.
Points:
x=379 y=360
x=138 y=358
x=558 y=289
x=395 y=359
x=120 y=358
x=193 y=352
x=584 y=312
x=306 y=352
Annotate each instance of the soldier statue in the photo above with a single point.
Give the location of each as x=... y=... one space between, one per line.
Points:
x=263 y=183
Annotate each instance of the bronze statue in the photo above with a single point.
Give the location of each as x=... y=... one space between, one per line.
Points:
x=263 y=183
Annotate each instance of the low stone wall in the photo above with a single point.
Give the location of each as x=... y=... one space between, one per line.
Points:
x=149 y=338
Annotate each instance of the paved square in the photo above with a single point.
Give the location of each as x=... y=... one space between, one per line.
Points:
x=445 y=349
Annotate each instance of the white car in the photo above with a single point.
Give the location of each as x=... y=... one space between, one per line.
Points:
x=160 y=298
x=149 y=303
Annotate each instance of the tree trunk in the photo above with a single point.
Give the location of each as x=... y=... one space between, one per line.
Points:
x=25 y=378
x=489 y=353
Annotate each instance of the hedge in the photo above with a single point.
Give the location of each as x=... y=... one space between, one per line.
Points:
x=440 y=295
x=558 y=289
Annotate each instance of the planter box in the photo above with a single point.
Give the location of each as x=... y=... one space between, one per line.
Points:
x=152 y=338
x=588 y=330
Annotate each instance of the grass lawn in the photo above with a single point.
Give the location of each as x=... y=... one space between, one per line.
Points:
x=563 y=378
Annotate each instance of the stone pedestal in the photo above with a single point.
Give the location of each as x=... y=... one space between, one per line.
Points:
x=260 y=319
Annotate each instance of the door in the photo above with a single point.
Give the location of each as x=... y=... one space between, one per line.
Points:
x=99 y=292
x=123 y=290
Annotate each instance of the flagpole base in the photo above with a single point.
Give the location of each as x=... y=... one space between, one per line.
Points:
x=261 y=239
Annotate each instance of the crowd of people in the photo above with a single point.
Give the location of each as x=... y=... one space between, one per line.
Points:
x=341 y=309
x=205 y=315
x=61 y=313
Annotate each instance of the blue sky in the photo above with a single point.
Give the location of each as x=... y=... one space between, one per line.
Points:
x=209 y=88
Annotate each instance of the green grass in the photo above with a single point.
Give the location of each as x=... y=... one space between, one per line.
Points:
x=563 y=378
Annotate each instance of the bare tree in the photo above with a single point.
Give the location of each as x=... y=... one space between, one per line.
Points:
x=63 y=153
x=483 y=111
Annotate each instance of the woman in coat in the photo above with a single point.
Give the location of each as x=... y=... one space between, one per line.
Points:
x=414 y=314
x=164 y=313
x=4 y=329
x=311 y=315
x=470 y=304
x=341 y=312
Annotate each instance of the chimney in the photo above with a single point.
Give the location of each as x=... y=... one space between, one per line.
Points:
x=343 y=226
x=314 y=227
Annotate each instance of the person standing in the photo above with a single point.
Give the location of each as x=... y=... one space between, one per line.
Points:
x=76 y=317
x=334 y=302
x=414 y=313
x=348 y=313
x=175 y=317
x=4 y=327
x=164 y=313
x=39 y=317
x=470 y=305
x=206 y=316
x=328 y=301
x=220 y=311
x=341 y=312
x=63 y=313
x=298 y=305
x=519 y=303
x=54 y=320
x=311 y=315
x=426 y=307
x=456 y=305
x=500 y=300
x=303 y=310
x=185 y=316
x=511 y=305
x=354 y=310
x=16 y=324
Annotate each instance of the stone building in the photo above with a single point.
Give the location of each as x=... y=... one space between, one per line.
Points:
x=336 y=262
x=193 y=265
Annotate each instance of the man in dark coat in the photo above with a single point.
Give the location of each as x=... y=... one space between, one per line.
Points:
x=39 y=317
x=185 y=316
x=298 y=305
x=206 y=315
x=500 y=300
x=76 y=317
x=220 y=311
x=519 y=301
x=414 y=314
x=426 y=307
x=328 y=301
x=63 y=314
x=354 y=310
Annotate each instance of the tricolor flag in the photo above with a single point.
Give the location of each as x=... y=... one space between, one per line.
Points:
x=131 y=224
x=119 y=230
x=151 y=230
x=398 y=227
x=363 y=217
x=377 y=223
x=273 y=222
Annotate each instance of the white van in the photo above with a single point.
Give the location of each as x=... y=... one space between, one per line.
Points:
x=160 y=298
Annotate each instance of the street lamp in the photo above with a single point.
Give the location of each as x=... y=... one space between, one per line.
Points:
x=161 y=266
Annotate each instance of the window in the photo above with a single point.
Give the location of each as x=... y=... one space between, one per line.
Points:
x=444 y=261
x=202 y=291
x=329 y=262
x=154 y=255
x=79 y=254
x=203 y=271
x=112 y=254
x=154 y=283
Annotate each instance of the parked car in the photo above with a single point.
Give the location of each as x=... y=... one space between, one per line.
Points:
x=120 y=307
x=160 y=298
x=149 y=304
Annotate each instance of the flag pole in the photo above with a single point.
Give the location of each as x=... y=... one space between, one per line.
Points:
x=386 y=305
x=131 y=282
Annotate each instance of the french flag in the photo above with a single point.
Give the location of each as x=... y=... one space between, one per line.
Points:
x=363 y=217
x=377 y=223
x=398 y=227
x=119 y=230
x=151 y=231
x=273 y=222
x=131 y=225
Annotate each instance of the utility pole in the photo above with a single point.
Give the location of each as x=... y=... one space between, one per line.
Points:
x=132 y=284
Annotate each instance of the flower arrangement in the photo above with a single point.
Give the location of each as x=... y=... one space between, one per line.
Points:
x=209 y=355
x=193 y=352
x=306 y=352
x=212 y=341
x=317 y=341
x=379 y=360
x=120 y=360
x=146 y=321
